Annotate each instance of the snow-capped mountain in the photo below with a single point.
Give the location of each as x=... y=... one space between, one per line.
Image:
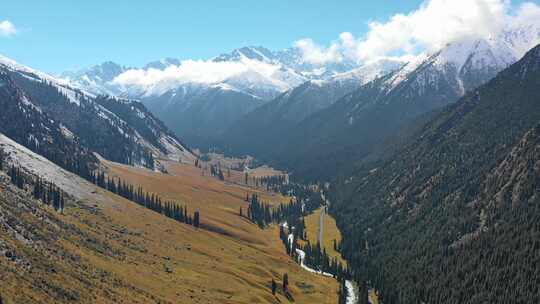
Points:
x=198 y=114
x=247 y=78
x=300 y=102
x=119 y=129
x=96 y=79
x=461 y=66
x=196 y=98
x=363 y=119
x=162 y=63
x=264 y=127
x=261 y=73
x=282 y=87
x=28 y=124
x=291 y=58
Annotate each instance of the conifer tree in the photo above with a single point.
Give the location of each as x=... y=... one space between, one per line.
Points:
x=285 y=283
x=1 y=159
x=196 y=219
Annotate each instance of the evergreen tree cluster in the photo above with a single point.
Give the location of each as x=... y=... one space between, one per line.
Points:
x=41 y=130
x=18 y=178
x=47 y=192
x=271 y=183
x=453 y=216
x=317 y=258
x=215 y=170
x=2 y=156
x=264 y=214
x=148 y=200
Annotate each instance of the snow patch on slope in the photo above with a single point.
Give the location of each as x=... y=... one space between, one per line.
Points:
x=29 y=73
x=76 y=96
x=38 y=165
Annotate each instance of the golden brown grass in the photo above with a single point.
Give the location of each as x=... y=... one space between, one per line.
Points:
x=124 y=253
x=242 y=258
x=330 y=233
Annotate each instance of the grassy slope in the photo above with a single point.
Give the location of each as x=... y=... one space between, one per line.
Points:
x=250 y=252
x=330 y=233
x=113 y=251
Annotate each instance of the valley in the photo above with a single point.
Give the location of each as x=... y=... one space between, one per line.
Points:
x=398 y=163
x=152 y=258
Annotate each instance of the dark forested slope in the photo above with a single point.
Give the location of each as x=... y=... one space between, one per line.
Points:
x=453 y=217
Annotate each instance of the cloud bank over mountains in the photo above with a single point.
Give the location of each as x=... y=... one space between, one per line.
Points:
x=430 y=27
x=403 y=36
x=203 y=72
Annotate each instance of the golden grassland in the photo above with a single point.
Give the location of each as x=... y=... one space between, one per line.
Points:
x=233 y=169
x=254 y=255
x=114 y=251
x=226 y=161
x=264 y=171
x=239 y=178
x=330 y=233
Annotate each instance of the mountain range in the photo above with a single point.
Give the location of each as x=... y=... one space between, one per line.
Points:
x=341 y=113
x=50 y=116
x=357 y=125
x=430 y=166
x=462 y=194
x=281 y=109
x=197 y=110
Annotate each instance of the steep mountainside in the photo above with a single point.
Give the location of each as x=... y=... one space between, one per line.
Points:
x=458 y=205
x=197 y=110
x=120 y=130
x=102 y=248
x=352 y=127
x=96 y=79
x=262 y=129
x=29 y=125
x=291 y=58
x=199 y=114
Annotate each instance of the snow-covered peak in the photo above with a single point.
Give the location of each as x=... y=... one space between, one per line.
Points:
x=477 y=54
x=255 y=77
x=250 y=52
x=96 y=79
x=370 y=71
x=162 y=63
x=74 y=95
x=12 y=65
x=404 y=72
x=103 y=108
x=465 y=58
x=519 y=40
x=290 y=58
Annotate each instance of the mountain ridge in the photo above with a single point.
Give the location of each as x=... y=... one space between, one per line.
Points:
x=459 y=188
x=119 y=129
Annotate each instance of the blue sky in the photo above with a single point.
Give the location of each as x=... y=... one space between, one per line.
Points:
x=65 y=34
x=61 y=34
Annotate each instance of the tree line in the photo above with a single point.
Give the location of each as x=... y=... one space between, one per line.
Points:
x=46 y=192
x=148 y=200
x=270 y=183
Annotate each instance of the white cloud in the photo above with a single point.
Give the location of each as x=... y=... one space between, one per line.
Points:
x=7 y=28
x=316 y=54
x=434 y=24
x=194 y=72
